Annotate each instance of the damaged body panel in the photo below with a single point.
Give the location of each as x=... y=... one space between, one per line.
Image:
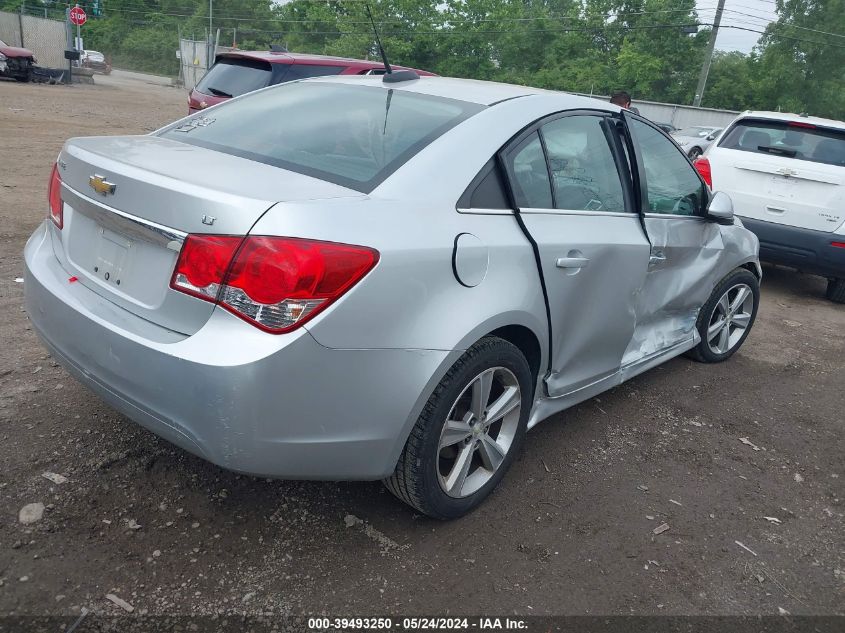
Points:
x=300 y=280
x=15 y=62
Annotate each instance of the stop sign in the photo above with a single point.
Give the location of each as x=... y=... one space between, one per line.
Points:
x=77 y=16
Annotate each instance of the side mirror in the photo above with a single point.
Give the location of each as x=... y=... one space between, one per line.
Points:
x=711 y=137
x=721 y=208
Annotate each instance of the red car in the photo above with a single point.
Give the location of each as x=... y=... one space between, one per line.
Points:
x=238 y=72
x=16 y=62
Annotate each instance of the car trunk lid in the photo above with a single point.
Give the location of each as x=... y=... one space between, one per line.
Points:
x=129 y=202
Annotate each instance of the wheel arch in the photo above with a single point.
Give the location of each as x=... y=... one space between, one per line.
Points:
x=527 y=342
x=754 y=268
x=518 y=328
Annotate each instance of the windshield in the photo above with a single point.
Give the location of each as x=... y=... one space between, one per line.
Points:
x=698 y=132
x=354 y=136
x=230 y=77
x=796 y=139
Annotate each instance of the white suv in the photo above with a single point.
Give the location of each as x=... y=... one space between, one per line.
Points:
x=786 y=176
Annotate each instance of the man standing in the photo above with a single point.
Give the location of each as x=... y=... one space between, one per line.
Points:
x=623 y=100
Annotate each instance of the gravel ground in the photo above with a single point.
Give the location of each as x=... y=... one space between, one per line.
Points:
x=570 y=531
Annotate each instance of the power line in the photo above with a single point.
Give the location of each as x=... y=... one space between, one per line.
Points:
x=786 y=24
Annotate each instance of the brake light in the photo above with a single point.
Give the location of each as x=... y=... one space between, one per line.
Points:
x=702 y=166
x=274 y=283
x=838 y=244
x=809 y=126
x=54 y=195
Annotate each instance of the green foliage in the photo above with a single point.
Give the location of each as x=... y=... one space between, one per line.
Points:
x=593 y=46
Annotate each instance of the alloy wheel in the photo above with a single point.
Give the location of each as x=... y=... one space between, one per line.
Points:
x=479 y=431
x=730 y=319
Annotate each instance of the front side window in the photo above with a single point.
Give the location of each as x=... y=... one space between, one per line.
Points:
x=670 y=182
x=354 y=136
x=584 y=174
x=794 y=139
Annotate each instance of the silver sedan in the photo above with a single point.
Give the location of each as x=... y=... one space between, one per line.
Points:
x=344 y=278
x=695 y=140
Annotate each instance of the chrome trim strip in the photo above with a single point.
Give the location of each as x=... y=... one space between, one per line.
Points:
x=670 y=216
x=585 y=212
x=485 y=211
x=129 y=225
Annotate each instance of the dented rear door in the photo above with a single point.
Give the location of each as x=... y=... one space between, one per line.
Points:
x=589 y=242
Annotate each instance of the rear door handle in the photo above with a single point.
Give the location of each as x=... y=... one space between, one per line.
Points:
x=572 y=262
x=657 y=257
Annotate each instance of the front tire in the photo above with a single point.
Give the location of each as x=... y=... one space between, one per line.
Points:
x=727 y=317
x=468 y=434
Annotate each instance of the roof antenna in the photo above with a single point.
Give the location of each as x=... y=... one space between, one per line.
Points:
x=390 y=76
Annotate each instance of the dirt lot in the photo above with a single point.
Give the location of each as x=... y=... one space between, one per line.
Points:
x=569 y=532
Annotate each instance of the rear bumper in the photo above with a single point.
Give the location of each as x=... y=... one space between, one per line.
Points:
x=807 y=250
x=276 y=406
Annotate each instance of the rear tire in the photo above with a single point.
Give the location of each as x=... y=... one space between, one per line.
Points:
x=694 y=153
x=836 y=290
x=490 y=378
x=726 y=318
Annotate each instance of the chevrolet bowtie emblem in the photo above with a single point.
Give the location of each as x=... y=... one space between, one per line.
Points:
x=101 y=185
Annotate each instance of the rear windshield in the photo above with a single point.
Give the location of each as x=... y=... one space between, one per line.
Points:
x=230 y=77
x=355 y=136
x=799 y=140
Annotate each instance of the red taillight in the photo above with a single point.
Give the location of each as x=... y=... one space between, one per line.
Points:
x=55 y=196
x=275 y=283
x=838 y=244
x=809 y=126
x=702 y=165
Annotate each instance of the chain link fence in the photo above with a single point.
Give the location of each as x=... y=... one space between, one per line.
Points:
x=46 y=38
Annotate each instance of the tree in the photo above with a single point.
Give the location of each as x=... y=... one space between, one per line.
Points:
x=801 y=62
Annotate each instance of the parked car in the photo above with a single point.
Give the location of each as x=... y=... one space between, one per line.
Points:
x=343 y=278
x=16 y=62
x=666 y=127
x=96 y=61
x=694 y=140
x=238 y=72
x=786 y=174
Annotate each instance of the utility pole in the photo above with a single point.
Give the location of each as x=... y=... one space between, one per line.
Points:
x=211 y=9
x=708 y=58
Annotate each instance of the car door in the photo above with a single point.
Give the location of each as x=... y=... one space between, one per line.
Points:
x=591 y=249
x=685 y=247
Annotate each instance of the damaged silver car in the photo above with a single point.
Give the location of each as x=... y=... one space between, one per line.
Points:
x=353 y=278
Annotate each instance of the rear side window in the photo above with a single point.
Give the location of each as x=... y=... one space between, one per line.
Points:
x=355 y=136
x=304 y=71
x=799 y=140
x=530 y=173
x=230 y=77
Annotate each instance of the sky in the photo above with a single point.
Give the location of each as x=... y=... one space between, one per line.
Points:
x=752 y=14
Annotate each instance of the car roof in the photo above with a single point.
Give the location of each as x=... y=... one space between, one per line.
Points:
x=471 y=90
x=789 y=117
x=303 y=58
